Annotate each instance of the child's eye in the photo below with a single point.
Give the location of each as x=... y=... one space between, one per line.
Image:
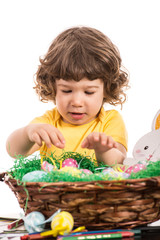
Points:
x=66 y=91
x=89 y=93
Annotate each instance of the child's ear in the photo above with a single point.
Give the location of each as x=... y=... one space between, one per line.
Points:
x=156 y=121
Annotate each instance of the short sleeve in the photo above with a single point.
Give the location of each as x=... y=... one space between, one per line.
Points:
x=50 y=117
x=114 y=126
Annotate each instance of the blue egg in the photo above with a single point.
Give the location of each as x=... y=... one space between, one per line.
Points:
x=34 y=222
x=35 y=176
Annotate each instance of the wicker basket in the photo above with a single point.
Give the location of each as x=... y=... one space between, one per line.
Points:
x=97 y=205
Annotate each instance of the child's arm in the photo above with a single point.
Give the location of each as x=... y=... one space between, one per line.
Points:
x=106 y=149
x=28 y=139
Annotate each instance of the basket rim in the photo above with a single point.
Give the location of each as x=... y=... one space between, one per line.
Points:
x=149 y=181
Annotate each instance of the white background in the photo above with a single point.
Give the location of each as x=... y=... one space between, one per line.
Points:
x=28 y=27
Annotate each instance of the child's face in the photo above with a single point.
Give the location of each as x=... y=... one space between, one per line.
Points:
x=79 y=102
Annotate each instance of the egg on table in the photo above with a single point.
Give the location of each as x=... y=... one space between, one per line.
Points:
x=62 y=223
x=34 y=222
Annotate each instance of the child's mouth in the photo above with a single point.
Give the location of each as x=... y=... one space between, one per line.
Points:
x=77 y=116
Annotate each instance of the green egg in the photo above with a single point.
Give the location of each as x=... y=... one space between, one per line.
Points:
x=35 y=176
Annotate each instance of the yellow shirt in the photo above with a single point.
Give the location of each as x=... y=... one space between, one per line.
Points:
x=109 y=122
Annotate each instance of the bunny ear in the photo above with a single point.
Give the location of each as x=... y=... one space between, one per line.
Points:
x=156 y=121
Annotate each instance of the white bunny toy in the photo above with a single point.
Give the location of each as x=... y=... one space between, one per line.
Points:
x=147 y=148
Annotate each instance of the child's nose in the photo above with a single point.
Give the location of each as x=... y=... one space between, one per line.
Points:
x=77 y=100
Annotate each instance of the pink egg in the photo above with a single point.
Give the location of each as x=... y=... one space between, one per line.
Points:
x=139 y=167
x=87 y=171
x=47 y=166
x=129 y=170
x=135 y=168
x=70 y=162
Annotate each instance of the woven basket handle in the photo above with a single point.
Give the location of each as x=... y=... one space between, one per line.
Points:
x=2 y=176
x=158 y=181
x=153 y=181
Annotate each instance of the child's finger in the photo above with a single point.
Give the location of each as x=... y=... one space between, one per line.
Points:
x=115 y=145
x=103 y=139
x=85 y=143
x=57 y=139
x=110 y=142
x=45 y=137
x=95 y=137
x=91 y=140
x=60 y=137
x=36 y=138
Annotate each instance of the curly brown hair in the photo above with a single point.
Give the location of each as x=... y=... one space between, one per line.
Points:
x=81 y=52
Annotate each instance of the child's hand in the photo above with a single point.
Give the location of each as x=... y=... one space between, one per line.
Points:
x=100 y=142
x=40 y=132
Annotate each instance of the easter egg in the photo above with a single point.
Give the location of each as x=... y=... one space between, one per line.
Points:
x=33 y=222
x=34 y=176
x=86 y=171
x=71 y=170
x=70 y=162
x=62 y=223
x=135 y=168
x=47 y=166
x=111 y=174
x=108 y=170
x=129 y=170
